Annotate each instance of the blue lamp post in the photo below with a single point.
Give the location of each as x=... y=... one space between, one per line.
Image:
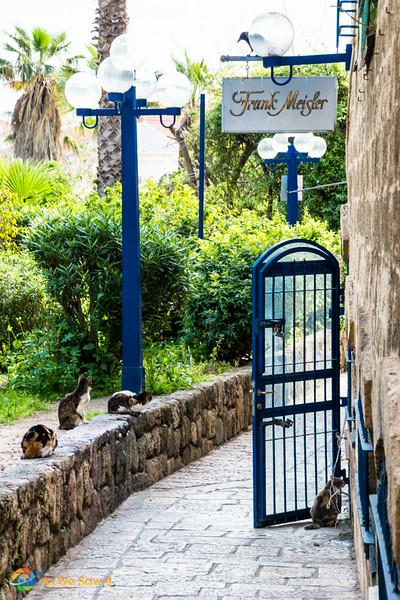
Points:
x=292 y=149
x=123 y=85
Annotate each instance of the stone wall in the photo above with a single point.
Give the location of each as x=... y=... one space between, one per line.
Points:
x=49 y=505
x=371 y=243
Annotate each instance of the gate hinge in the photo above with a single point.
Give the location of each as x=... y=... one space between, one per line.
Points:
x=343 y=401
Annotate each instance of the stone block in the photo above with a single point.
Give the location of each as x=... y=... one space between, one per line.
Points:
x=186 y=432
x=174 y=443
x=219 y=431
x=88 y=486
x=193 y=433
x=72 y=503
x=210 y=424
x=156 y=468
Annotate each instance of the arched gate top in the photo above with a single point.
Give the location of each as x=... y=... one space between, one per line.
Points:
x=294 y=249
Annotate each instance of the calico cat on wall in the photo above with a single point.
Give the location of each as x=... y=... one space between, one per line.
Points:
x=39 y=441
x=71 y=410
x=327 y=505
x=126 y=402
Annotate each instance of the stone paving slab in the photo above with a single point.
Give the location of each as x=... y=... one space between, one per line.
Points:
x=191 y=536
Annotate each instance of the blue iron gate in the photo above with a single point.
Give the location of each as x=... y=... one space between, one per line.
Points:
x=296 y=378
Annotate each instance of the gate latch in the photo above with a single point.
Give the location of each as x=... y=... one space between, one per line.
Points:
x=276 y=324
x=285 y=423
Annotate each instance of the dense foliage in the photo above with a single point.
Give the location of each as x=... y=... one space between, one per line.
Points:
x=218 y=310
x=22 y=296
x=61 y=260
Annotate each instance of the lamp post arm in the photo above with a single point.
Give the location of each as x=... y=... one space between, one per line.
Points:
x=287 y=61
x=97 y=112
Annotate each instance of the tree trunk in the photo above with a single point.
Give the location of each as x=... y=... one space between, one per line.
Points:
x=36 y=123
x=244 y=157
x=270 y=197
x=185 y=159
x=111 y=21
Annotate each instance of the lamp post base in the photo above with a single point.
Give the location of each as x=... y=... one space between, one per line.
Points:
x=133 y=379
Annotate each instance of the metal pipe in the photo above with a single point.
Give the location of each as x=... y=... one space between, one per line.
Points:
x=132 y=352
x=202 y=151
x=293 y=198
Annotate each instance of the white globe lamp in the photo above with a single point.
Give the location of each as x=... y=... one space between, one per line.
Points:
x=145 y=83
x=271 y=34
x=83 y=89
x=282 y=141
x=112 y=79
x=173 y=90
x=318 y=149
x=267 y=148
x=303 y=142
x=125 y=53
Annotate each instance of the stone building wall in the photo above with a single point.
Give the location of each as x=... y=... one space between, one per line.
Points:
x=48 y=505
x=371 y=244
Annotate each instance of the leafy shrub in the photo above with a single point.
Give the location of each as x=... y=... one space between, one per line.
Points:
x=170 y=366
x=165 y=280
x=175 y=204
x=15 y=404
x=22 y=295
x=44 y=362
x=60 y=189
x=80 y=254
x=218 y=311
x=8 y=220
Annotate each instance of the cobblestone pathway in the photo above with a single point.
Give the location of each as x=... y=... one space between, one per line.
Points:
x=191 y=536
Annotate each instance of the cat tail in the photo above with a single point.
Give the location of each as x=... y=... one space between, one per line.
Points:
x=311 y=526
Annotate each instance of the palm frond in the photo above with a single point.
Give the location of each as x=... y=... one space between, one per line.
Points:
x=26 y=179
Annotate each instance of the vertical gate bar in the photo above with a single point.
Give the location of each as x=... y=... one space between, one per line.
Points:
x=325 y=420
x=294 y=392
x=284 y=392
x=315 y=382
x=294 y=327
x=304 y=382
x=273 y=401
x=284 y=337
x=335 y=357
x=259 y=472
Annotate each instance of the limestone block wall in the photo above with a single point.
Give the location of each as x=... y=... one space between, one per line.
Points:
x=48 y=505
x=371 y=244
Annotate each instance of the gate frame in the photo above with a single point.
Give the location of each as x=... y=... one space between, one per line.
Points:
x=263 y=264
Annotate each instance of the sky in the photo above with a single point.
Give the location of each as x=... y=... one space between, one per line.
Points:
x=206 y=28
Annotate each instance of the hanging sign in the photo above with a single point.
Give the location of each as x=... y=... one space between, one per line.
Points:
x=258 y=105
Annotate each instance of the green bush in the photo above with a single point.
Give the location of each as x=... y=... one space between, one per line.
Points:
x=218 y=311
x=44 y=362
x=175 y=204
x=170 y=366
x=79 y=252
x=165 y=280
x=8 y=220
x=22 y=296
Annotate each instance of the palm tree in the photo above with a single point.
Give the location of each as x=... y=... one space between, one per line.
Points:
x=200 y=77
x=111 y=21
x=36 y=121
